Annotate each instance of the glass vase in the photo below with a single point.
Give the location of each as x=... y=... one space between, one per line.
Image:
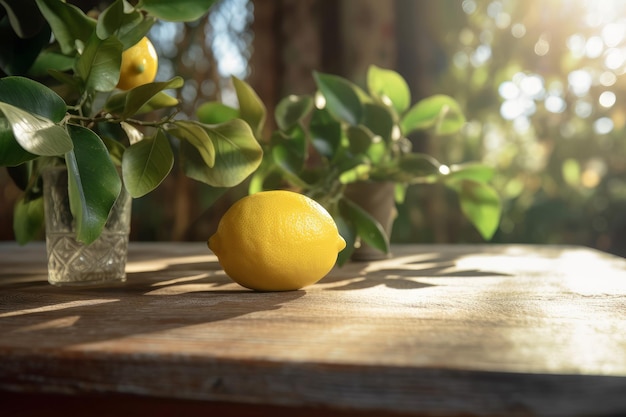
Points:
x=71 y=262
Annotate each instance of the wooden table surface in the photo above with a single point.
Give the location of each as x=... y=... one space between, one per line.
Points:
x=436 y=330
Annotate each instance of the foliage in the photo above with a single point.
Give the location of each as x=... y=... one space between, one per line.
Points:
x=59 y=105
x=542 y=93
x=343 y=134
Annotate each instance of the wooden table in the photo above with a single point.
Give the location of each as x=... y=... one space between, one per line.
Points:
x=436 y=330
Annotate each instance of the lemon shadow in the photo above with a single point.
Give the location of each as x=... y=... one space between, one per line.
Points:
x=402 y=272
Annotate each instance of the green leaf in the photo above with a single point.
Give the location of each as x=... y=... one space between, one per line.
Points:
x=115 y=149
x=378 y=120
x=471 y=171
x=194 y=133
x=213 y=113
x=124 y=22
x=349 y=162
x=347 y=230
x=36 y=134
x=360 y=139
x=571 y=172
x=481 y=205
x=161 y=100
x=412 y=167
x=419 y=164
x=368 y=229
x=28 y=219
x=440 y=112
x=33 y=97
x=113 y=18
x=50 y=61
x=251 y=108
x=69 y=24
x=99 y=64
x=94 y=183
x=359 y=172
x=364 y=142
x=71 y=80
x=291 y=110
x=137 y=32
x=289 y=151
x=17 y=55
x=238 y=154
x=209 y=195
x=325 y=133
x=177 y=11
x=136 y=99
x=342 y=99
x=11 y=153
x=24 y=16
x=377 y=150
x=266 y=171
x=146 y=164
x=399 y=194
x=389 y=88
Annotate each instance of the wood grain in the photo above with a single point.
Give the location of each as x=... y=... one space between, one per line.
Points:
x=436 y=330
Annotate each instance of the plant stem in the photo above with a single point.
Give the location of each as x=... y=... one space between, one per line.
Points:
x=100 y=119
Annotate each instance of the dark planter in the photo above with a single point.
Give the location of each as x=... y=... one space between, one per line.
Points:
x=377 y=199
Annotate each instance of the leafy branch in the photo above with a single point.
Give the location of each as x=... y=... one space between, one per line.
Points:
x=95 y=141
x=344 y=134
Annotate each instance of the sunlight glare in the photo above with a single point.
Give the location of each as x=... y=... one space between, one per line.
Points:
x=59 y=306
x=54 y=324
x=594 y=47
x=521 y=124
x=508 y=90
x=229 y=41
x=603 y=126
x=583 y=109
x=518 y=30
x=469 y=6
x=494 y=9
x=607 y=99
x=542 y=47
x=555 y=104
x=613 y=34
x=320 y=101
x=576 y=45
x=532 y=86
x=503 y=20
x=614 y=59
x=607 y=78
x=481 y=55
x=512 y=109
x=579 y=82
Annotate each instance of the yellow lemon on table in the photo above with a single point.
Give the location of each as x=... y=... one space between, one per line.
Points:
x=276 y=241
x=139 y=65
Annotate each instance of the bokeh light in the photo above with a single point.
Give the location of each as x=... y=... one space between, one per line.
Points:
x=556 y=71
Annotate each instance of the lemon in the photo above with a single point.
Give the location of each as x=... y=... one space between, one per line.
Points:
x=139 y=65
x=276 y=241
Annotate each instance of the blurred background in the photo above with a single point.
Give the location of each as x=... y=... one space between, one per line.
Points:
x=541 y=82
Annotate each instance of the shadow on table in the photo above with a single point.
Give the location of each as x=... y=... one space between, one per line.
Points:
x=168 y=293
x=176 y=295
x=403 y=272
